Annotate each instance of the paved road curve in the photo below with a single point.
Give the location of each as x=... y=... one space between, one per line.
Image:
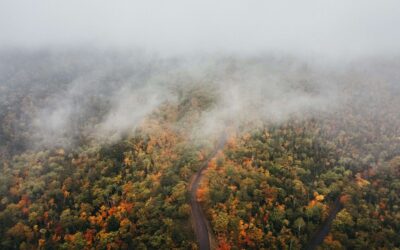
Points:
x=198 y=216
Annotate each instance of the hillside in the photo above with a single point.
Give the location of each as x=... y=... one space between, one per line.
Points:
x=99 y=151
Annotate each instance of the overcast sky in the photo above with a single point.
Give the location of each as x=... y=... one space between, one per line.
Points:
x=333 y=28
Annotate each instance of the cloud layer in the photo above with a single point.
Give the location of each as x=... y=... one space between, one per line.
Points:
x=330 y=28
x=105 y=95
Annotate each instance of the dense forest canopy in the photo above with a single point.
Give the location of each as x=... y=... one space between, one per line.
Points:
x=97 y=150
x=199 y=125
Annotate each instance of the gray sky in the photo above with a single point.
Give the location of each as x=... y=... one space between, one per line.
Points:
x=332 y=28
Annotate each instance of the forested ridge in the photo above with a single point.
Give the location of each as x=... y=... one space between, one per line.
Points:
x=128 y=194
x=272 y=184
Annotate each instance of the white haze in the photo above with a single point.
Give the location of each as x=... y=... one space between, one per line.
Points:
x=115 y=92
x=336 y=29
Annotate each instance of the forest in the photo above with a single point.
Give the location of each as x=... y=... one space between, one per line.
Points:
x=85 y=165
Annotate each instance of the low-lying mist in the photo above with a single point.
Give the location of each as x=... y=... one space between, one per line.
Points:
x=62 y=97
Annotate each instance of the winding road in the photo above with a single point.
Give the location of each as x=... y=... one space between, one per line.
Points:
x=323 y=231
x=200 y=223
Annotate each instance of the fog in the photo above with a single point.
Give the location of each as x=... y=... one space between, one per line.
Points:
x=64 y=97
x=100 y=68
x=335 y=29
